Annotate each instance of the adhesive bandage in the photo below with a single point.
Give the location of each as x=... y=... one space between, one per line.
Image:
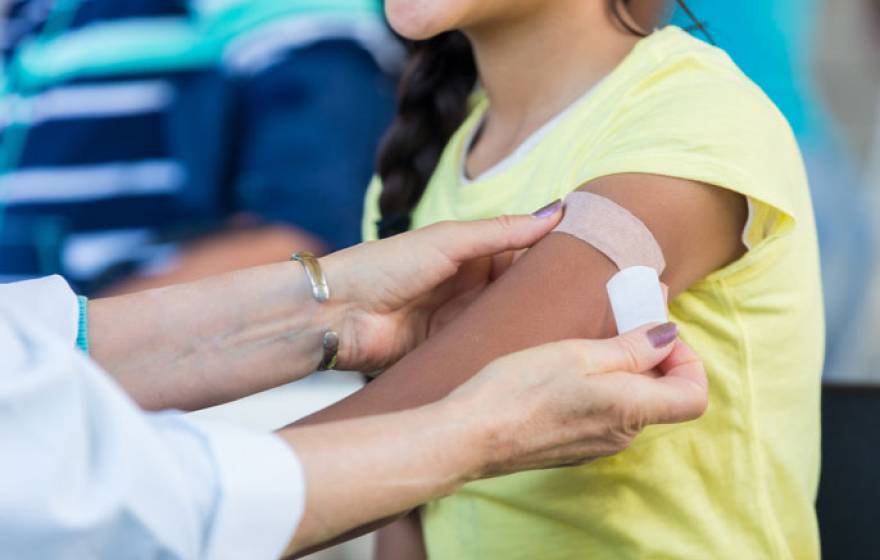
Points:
x=635 y=293
x=637 y=298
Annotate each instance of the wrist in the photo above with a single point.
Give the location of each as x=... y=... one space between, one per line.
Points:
x=339 y=313
x=467 y=442
x=283 y=309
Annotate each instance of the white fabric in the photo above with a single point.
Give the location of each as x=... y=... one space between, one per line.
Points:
x=636 y=298
x=86 y=254
x=86 y=474
x=90 y=182
x=88 y=101
x=50 y=302
x=522 y=150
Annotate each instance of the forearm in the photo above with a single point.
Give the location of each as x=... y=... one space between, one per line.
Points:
x=557 y=290
x=539 y=300
x=518 y=311
x=542 y=299
x=401 y=539
x=211 y=341
x=391 y=463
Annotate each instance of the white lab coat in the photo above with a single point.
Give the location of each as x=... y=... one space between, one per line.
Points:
x=84 y=473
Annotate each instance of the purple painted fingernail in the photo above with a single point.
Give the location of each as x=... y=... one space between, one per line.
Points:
x=549 y=210
x=663 y=335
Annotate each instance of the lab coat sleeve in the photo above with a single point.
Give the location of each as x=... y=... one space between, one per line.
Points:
x=86 y=474
x=49 y=302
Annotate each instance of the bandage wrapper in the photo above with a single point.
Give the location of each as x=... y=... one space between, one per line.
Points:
x=635 y=293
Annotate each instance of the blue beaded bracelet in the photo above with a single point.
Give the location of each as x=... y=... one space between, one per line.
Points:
x=82 y=333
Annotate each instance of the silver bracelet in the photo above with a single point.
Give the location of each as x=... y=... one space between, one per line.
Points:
x=321 y=293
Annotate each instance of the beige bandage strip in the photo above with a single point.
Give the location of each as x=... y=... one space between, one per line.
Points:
x=611 y=229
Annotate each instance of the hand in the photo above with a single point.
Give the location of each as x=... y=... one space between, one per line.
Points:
x=570 y=402
x=392 y=291
x=560 y=404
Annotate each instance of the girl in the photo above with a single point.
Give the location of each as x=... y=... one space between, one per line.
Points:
x=571 y=94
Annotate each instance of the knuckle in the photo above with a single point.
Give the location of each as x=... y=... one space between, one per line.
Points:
x=506 y=224
x=629 y=354
x=698 y=404
x=444 y=238
x=565 y=355
x=576 y=354
x=628 y=423
x=617 y=438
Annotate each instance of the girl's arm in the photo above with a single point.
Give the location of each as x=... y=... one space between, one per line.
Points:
x=552 y=405
x=224 y=337
x=557 y=291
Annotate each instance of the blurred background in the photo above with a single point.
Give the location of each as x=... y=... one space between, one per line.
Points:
x=148 y=142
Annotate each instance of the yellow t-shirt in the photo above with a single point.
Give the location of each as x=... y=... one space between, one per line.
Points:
x=740 y=482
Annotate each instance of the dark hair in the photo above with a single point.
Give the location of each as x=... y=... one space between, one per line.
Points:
x=436 y=85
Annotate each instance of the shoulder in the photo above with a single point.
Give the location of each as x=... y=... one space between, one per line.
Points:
x=681 y=108
x=677 y=78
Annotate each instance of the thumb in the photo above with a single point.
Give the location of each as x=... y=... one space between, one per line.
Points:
x=682 y=393
x=634 y=352
x=463 y=241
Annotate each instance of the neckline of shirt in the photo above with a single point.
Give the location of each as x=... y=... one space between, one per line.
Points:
x=522 y=150
x=472 y=125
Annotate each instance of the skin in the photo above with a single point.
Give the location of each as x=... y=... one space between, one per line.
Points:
x=559 y=404
x=535 y=58
x=515 y=312
x=211 y=341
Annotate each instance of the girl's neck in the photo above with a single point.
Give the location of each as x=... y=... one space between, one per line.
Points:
x=552 y=54
x=535 y=65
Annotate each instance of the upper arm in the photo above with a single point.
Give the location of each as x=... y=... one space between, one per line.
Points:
x=557 y=291
x=699 y=227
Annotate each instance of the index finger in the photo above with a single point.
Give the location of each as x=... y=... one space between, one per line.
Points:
x=463 y=241
x=683 y=363
x=680 y=394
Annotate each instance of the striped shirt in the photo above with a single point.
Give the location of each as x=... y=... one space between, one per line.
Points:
x=132 y=125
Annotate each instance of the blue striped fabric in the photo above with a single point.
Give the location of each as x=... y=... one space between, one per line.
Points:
x=25 y=18
x=111 y=164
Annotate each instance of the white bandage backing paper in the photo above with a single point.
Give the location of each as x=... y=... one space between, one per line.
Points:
x=636 y=298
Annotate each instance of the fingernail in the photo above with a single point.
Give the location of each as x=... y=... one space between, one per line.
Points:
x=663 y=335
x=549 y=210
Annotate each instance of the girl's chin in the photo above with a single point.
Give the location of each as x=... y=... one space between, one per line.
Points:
x=421 y=19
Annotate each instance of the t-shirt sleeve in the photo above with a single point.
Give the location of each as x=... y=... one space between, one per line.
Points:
x=687 y=122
